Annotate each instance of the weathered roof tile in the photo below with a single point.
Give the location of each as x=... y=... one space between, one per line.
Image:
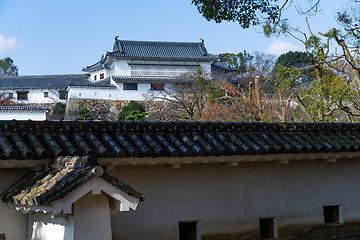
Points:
x=23 y=140
x=43 y=81
x=58 y=180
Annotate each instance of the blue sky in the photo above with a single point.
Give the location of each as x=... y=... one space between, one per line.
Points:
x=62 y=37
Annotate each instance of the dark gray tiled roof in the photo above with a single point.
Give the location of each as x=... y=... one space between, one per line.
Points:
x=177 y=51
x=161 y=50
x=42 y=81
x=165 y=64
x=48 y=140
x=126 y=79
x=94 y=85
x=223 y=66
x=106 y=80
x=59 y=179
x=23 y=109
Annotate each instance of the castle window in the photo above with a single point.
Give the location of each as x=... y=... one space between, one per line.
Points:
x=22 y=95
x=63 y=94
x=157 y=87
x=95 y=77
x=11 y=95
x=46 y=94
x=102 y=75
x=130 y=86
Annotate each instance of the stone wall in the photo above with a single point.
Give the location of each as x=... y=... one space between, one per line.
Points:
x=108 y=110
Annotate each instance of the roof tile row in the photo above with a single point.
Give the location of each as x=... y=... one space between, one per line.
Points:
x=43 y=140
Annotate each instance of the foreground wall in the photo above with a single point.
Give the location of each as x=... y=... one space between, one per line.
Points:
x=45 y=227
x=230 y=200
x=12 y=222
x=35 y=116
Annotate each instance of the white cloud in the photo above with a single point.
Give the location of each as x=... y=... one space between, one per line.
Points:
x=9 y=43
x=279 y=47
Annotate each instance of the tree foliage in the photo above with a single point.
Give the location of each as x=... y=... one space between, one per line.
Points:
x=136 y=115
x=7 y=67
x=246 y=13
x=59 y=109
x=84 y=114
x=311 y=86
x=331 y=91
x=132 y=111
x=238 y=61
x=251 y=13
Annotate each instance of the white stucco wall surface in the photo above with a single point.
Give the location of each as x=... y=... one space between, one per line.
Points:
x=230 y=199
x=44 y=227
x=12 y=222
x=94 y=93
x=35 y=116
x=92 y=218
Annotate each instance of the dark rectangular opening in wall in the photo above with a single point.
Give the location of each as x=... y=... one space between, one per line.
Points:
x=188 y=230
x=63 y=94
x=157 y=87
x=266 y=227
x=2 y=236
x=130 y=86
x=331 y=214
x=23 y=95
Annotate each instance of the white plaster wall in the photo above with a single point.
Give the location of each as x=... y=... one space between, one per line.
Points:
x=143 y=88
x=97 y=73
x=122 y=68
x=94 y=93
x=92 y=218
x=12 y=222
x=44 y=227
x=232 y=199
x=110 y=94
x=37 y=95
x=35 y=116
x=206 y=67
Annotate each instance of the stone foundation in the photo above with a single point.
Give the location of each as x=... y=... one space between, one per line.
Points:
x=106 y=110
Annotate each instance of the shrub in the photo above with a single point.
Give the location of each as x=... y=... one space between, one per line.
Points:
x=84 y=114
x=59 y=109
x=132 y=111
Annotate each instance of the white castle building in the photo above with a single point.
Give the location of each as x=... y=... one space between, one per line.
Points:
x=130 y=70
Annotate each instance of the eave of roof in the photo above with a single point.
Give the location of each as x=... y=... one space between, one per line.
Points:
x=21 y=140
x=129 y=79
x=23 y=109
x=164 y=64
x=42 y=81
x=59 y=179
x=148 y=50
x=223 y=66
x=94 y=85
